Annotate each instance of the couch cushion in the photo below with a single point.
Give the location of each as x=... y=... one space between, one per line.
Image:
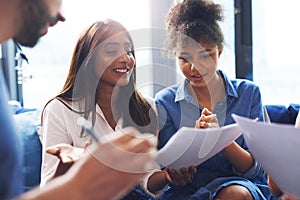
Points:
x=283 y=114
x=27 y=121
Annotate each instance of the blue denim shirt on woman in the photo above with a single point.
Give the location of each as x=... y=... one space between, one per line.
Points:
x=177 y=108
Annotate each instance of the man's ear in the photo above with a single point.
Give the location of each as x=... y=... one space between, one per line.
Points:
x=220 y=50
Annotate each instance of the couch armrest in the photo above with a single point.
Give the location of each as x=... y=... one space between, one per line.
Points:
x=283 y=114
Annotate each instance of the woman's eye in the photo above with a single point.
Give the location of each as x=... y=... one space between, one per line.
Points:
x=111 y=51
x=185 y=59
x=129 y=51
x=205 y=56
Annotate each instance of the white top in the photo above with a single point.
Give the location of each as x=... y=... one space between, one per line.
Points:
x=60 y=126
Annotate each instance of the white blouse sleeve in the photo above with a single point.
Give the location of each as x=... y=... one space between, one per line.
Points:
x=144 y=181
x=151 y=101
x=53 y=131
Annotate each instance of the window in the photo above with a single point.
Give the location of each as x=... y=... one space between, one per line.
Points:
x=275 y=47
x=276 y=63
x=227 y=59
x=49 y=60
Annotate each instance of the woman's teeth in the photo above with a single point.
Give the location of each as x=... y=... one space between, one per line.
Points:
x=121 y=70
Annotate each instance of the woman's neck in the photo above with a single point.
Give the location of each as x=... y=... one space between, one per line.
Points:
x=106 y=99
x=208 y=96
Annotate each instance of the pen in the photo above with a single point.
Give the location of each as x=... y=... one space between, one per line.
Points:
x=87 y=126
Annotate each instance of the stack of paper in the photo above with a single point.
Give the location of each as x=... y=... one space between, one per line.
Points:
x=277 y=148
x=191 y=146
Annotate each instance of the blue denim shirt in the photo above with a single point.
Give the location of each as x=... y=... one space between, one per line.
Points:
x=10 y=150
x=177 y=108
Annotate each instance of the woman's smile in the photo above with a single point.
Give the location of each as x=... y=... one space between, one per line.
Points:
x=197 y=77
x=121 y=70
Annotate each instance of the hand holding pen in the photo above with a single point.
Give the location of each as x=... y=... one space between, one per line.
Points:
x=144 y=145
x=126 y=151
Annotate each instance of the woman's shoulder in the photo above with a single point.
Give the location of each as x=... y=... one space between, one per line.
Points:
x=238 y=82
x=58 y=105
x=168 y=92
x=244 y=84
x=245 y=88
x=150 y=100
x=53 y=104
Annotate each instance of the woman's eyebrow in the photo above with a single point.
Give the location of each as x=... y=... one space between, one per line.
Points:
x=112 y=44
x=183 y=53
x=128 y=43
x=117 y=44
x=204 y=50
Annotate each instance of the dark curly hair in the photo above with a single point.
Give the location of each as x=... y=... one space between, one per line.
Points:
x=194 y=19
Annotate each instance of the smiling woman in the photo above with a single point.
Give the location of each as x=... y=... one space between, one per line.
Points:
x=116 y=54
x=100 y=87
x=59 y=42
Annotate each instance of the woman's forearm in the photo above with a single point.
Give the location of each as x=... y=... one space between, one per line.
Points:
x=241 y=159
x=157 y=181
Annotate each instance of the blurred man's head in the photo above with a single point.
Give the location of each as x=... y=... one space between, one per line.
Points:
x=35 y=18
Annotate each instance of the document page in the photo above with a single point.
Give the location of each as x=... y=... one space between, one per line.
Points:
x=193 y=146
x=276 y=147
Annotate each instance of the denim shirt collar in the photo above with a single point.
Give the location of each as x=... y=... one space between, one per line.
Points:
x=182 y=92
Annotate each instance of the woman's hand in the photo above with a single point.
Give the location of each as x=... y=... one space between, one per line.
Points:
x=277 y=191
x=207 y=120
x=66 y=153
x=182 y=177
x=288 y=197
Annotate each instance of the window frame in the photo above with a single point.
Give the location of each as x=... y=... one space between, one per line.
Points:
x=243 y=49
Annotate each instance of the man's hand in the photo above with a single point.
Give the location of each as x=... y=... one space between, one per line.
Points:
x=113 y=167
x=107 y=172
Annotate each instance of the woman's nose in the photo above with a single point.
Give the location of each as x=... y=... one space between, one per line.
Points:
x=193 y=66
x=125 y=57
x=196 y=66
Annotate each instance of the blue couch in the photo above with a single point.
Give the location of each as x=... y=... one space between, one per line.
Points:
x=283 y=114
x=28 y=119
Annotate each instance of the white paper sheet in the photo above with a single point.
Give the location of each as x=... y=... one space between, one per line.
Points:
x=191 y=146
x=277 y=148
